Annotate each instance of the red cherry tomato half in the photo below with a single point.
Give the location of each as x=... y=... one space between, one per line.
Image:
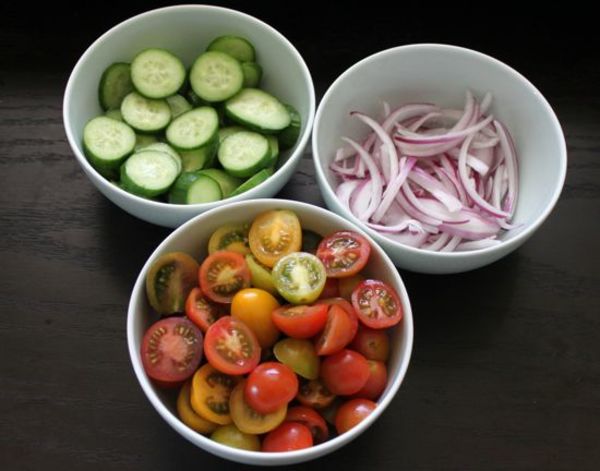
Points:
x=300 y=322
x=377 y=304
x=344 y=253
x=223 y=274
x=374 y=344
x=231 y=347
x=270 y=386
x=339 y=330
x=331 y=289
x=312 y=419
x=341 y=302
x=200 y=310
x=345 y=373
x=376 y=383
x=171 y=350
x=314 y=394
x=352 y=413
x=288 y=436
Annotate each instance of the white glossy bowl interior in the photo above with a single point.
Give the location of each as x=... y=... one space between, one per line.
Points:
x=186 y=30
x=192 y=238
x=441 y=74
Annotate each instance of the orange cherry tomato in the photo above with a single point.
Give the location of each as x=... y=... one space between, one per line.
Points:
x=274 y=234
x=254 y=307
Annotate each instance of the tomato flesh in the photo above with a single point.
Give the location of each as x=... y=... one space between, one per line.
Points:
x=274 y=234
x=345 y=373
x=200 y=310
x=210 y=392
x=288 y=436
x=313 y=393
x=171 y=350
x=377 y=304
x=249 y=420
x=299 y=277
x=339 y=330
x=300 y=322
x=312 y=419
x=231 y=347
x=353 y=412
x=232 y=237
x=270 y=386
x=188 y=416
x=344 y=253
x=223 y=274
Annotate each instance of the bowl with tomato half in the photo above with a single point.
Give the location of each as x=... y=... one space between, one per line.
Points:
x=269 y=332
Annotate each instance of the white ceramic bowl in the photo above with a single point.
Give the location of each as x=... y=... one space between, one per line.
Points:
x=441 y=74
x=186 y=30
x=192 y=238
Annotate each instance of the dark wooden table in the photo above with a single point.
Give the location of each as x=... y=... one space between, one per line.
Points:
x=505 y=372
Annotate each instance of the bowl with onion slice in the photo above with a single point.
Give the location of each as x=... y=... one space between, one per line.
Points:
x=447 y=157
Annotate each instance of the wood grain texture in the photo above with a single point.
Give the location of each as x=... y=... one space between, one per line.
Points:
x=506 y=365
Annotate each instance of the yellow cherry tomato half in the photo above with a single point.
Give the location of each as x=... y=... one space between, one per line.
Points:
x=187 y=414
x=254 y=308
x=274 y=234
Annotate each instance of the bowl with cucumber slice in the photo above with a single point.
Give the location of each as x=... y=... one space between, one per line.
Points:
x=177 y=110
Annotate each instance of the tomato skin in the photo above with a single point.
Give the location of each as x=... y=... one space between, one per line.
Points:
x=374 y=344
x=339 y=330
x=331 y=289
x=200 y=310
x=341 y=302
x=188 y=416
x=171 y=351
x=232 y=436
x=299 y=355
x=376 y=382
x=224 y=334
x=269 y=386
x=313 y=393
x=347 y=285
x=300 y=322
x=345 y=373
x=254 y=307
x=288 y=436
x=274 y=234
x=377 y=304
x=353 y=412
x=249 y=420
x=344 y=253
x=312 y=419
x=222 y=274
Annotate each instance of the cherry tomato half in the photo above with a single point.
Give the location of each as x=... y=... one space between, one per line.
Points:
x=376 y=382
x=188 y=416
x=249 y=420
x=231 y=347
x=300 y=322
x=210 y=392
x=313 y=393
x=171 y=350
x=353 y=412
x=345 y=373
x=232 y=237
x=232 y=436
x=299 y=277
x=254 y=307
x=223 y=274
x=200 y=310
x=288 y=436
x=274 y=234
x=374 y=344
x=312 y=419
x=270 y=386
x=299 y=355
x=339 y=330
x=377 y=304
x=344 y=253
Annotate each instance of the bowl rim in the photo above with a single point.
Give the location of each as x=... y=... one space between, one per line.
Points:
x=512 y=242
x=298 y=148
x=258 y=457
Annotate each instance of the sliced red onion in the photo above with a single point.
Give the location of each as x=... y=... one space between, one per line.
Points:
x=344 y=191
x=436 y=245
x=410 y=138
x=477 y=227
x=511 y=167
x=361 y=199
x=436 y=188
x=393 y=188
x=476 y=245
x=452 y=244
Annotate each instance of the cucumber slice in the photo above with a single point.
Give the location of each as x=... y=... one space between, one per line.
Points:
x=156 y=73
x=193 y=129
x=167 y=149
x=253 y=181
x=114 y=114
x=178 y=105
x=289 y=136
x=258 y=110
x=244 y=153
x=216 y=76
x=225 y=181
x=228 y=131
x=194 y=187
x=144 y=140
x=115 y=84
x=200 y=158
x=107 y=143
x=273 y=151
x=148 y=173
x=236 y=46
x=144 y=114
x=252 y=74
